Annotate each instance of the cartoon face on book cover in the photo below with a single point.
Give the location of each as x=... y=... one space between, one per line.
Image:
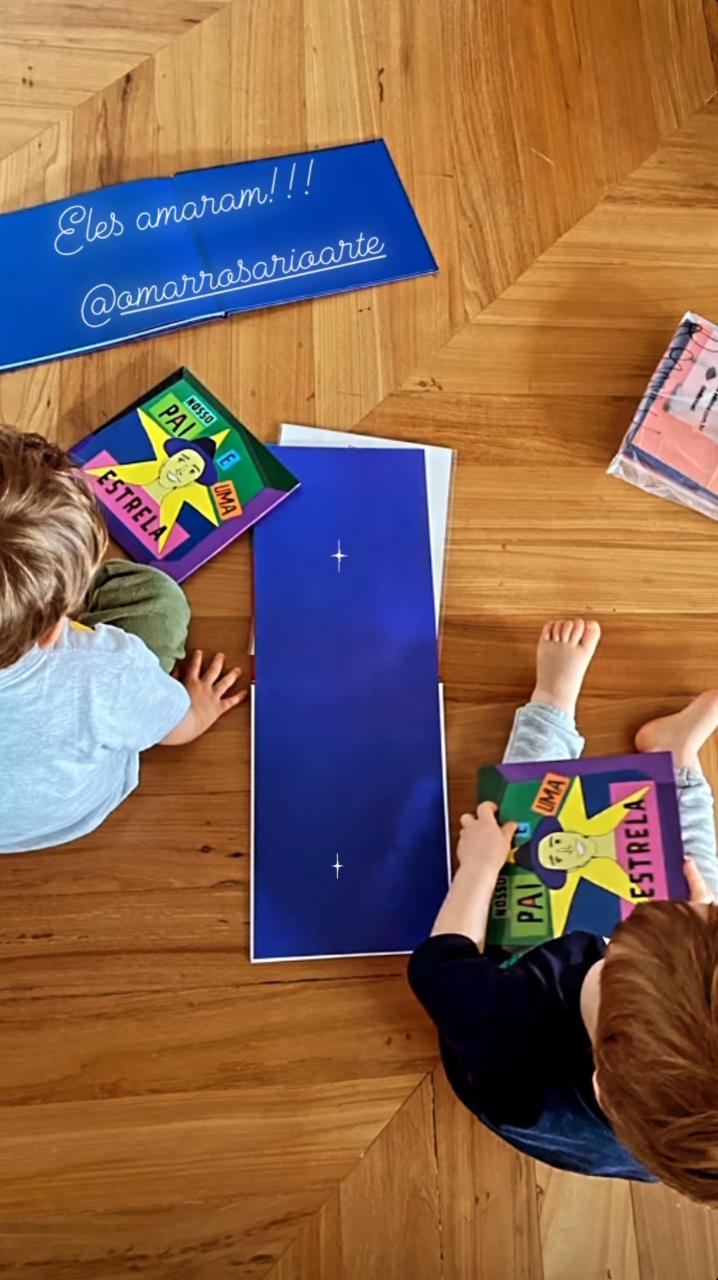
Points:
x=178 y=476
x=588 y=848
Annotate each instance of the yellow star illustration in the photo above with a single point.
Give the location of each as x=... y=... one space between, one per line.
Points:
x=573 y=816
x=170 y=481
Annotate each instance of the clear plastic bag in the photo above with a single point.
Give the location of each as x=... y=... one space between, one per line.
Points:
x=671 y=446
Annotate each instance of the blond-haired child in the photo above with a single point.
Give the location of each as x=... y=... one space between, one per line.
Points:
x=79 y=701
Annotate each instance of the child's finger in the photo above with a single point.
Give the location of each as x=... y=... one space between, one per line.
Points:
x=225 y=684
x=228 y=703
x=698 y=891
x=215 y=668
x=487 y=808
x=509 y=829
x=194 y=666
x=466 y=820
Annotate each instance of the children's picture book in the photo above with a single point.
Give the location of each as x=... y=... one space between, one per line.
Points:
x=178 y=477
x=594 y=838
x=137 y=258
x=671 y=447
x=349 y=848
x=439 y=464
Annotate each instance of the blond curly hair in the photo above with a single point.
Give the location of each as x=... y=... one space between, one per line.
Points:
x=52 y=539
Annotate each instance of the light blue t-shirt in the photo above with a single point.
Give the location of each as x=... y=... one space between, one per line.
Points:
x=73 y=721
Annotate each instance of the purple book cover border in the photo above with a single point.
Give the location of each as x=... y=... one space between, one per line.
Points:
x=183 y=565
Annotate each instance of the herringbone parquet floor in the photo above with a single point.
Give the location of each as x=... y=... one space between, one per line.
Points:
x=166 y=1110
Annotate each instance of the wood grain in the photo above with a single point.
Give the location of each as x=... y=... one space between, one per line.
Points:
x=532 y=153
x=489 y=1202
x=167 y=1109
x=54 y=54
x=669 y=1229
x=590 y=1219
x=398 y=1179
x=221 y=1155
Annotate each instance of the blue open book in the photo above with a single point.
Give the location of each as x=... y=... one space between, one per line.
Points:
x=142 y=257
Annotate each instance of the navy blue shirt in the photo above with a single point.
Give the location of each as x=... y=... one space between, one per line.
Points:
x=516 y=1050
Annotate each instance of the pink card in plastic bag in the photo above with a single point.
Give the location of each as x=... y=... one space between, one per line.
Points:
x=671 y=447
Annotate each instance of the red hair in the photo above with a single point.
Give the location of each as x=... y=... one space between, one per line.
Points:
x=656 y=1045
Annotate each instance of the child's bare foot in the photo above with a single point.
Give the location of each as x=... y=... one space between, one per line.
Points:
x=683 y=733
x=564 y=652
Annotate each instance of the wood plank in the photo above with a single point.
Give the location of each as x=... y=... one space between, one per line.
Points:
x=490 y=659
x=318 y=1251
x=675 y=1237
x=222 y=1155
x=54 y=54
x=581 y=320
x=382 y=334
x=230 y=1037
x=488 y=1197
x=398 y=1175
x=56 y=24
x=567 y=1205
x=710 y=13
x=534 y=153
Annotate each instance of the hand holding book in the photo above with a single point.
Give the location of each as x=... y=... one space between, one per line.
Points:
x=483 y=839
x=595 y=837
x=482 y=851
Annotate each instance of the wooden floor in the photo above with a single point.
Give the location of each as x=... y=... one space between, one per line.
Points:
x=166 y=1110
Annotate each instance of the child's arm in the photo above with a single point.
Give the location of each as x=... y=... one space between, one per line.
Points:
x=482 y=851
x=209 y=697
x=488 y=1017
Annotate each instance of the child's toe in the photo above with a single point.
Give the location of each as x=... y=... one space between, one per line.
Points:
x=591 y=633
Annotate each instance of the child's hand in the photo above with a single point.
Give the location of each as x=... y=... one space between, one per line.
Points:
x=482 y=851
x=210 y=698
x=698 y=891
x=483 y=840
x=209 y=691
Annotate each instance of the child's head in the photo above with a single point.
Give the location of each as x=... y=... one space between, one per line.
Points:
x=52 y=539
x=656 y=1042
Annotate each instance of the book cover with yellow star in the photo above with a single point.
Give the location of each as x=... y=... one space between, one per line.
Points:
x=178 y=477
x=595 y=837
